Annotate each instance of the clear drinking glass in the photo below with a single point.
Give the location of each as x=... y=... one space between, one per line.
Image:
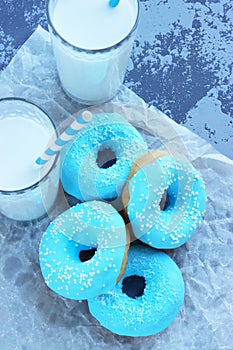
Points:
x=36 y=199
x=91 y=76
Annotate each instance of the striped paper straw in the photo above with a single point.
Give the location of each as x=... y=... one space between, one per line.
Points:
x=57 y=145
x=113 y=3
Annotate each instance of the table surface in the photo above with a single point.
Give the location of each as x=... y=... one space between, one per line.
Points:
x=181 y=63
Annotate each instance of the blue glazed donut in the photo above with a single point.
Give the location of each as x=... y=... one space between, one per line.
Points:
x=186 y=201
x=82 y=251
x=146 y=300
x=82 y=176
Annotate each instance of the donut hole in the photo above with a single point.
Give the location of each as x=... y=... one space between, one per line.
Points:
x=164 y=202
x=87 y=254
x=106 y=158
x=133 y=286
x=169 y=197
x=168 y=200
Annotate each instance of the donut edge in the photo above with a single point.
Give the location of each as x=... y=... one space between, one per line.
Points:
x=139 y=163
x=125 y=257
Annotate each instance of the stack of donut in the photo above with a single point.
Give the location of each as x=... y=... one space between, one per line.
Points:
x=114 y=260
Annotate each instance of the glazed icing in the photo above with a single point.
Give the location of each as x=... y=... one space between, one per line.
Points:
x=81 y=228
x=80 y=174
x=172 y=227
x=155 y=309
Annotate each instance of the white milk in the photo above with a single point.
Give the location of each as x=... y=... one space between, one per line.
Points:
x=27 y=191
x=93 y=24
x=92 y=76
x=21 y=142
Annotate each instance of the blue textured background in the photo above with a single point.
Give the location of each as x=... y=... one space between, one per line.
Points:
x=182 y=60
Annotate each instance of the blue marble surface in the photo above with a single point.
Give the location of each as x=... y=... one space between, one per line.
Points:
x=182 y=59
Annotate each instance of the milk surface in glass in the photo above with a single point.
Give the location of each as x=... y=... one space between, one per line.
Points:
x=27 y=191
x=21 y=141
x=92 y=44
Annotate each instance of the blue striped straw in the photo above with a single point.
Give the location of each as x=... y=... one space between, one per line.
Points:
x=113 y=3
x=65 y=137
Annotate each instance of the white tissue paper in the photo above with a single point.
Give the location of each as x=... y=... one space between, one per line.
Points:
x=33 y=317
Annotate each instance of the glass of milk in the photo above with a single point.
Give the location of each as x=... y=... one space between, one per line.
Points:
x=92 y=43
x=27 y=191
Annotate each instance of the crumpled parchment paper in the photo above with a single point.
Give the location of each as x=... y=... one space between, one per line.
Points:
x=34 y=318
